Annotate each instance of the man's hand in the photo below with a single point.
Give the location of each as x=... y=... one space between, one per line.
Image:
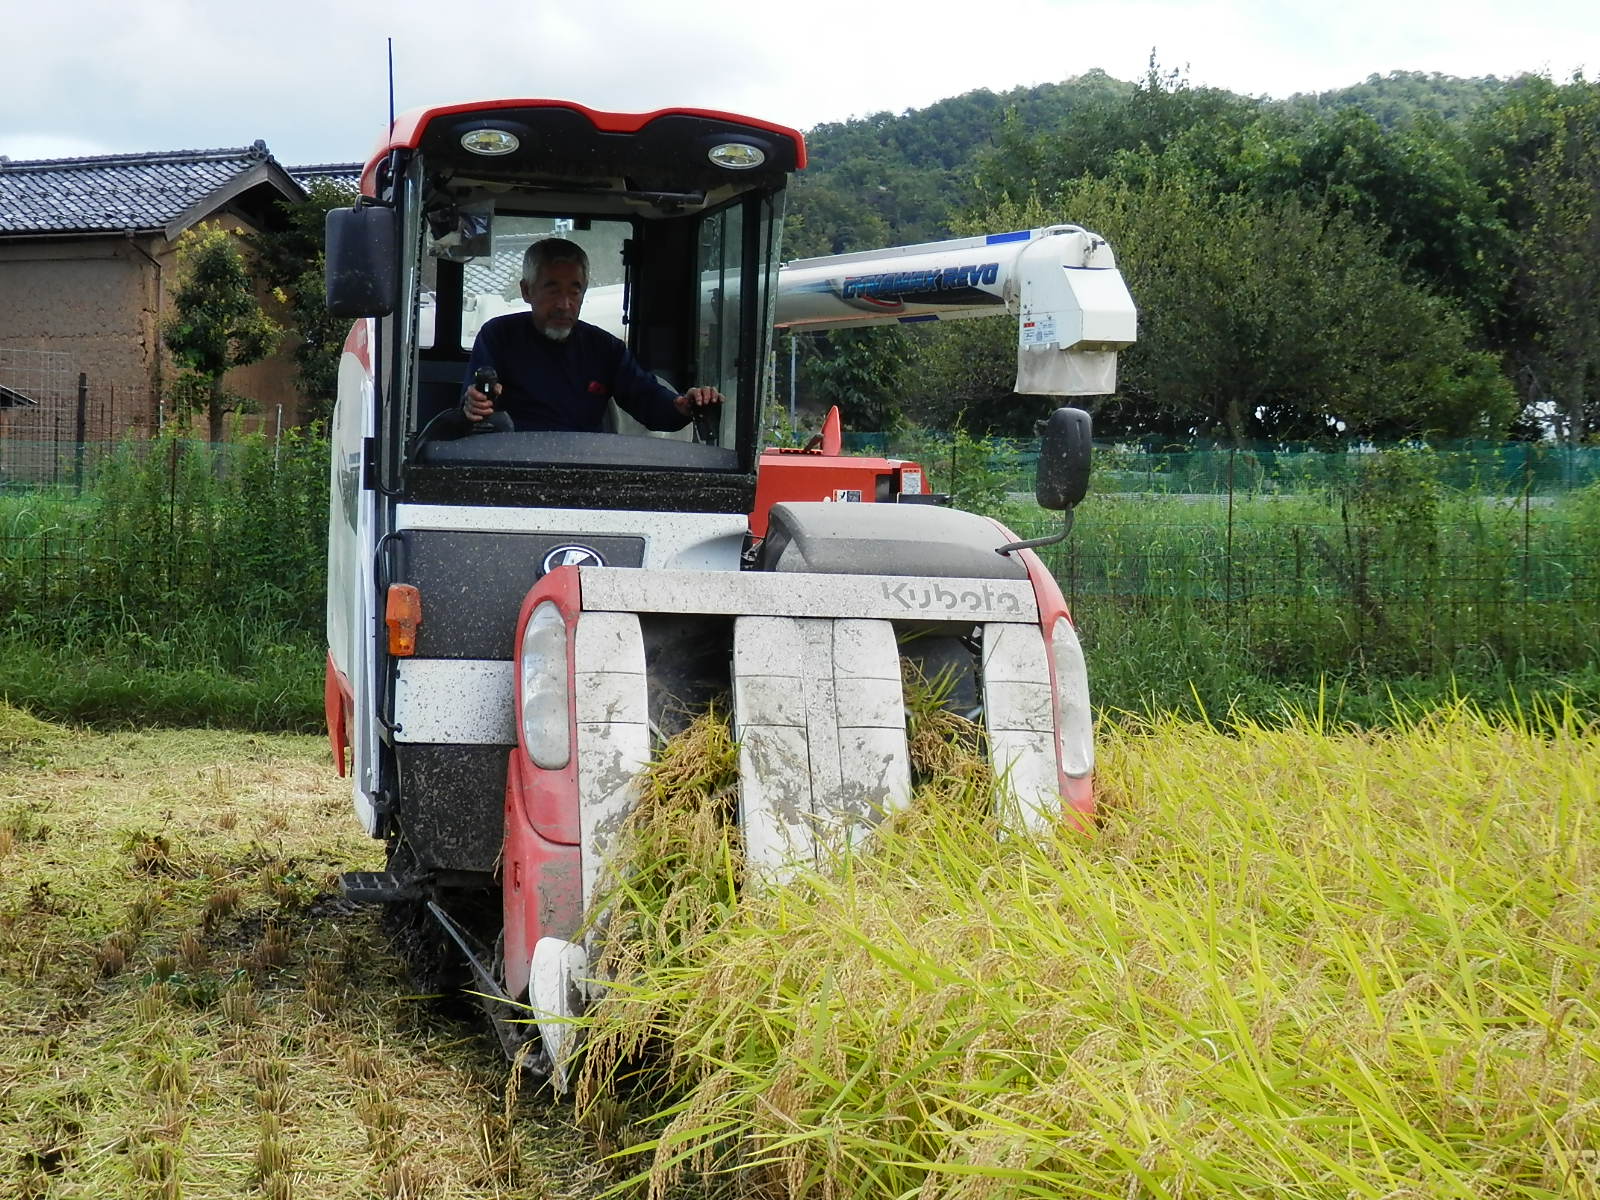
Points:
x=475 y=406
x=696 y=400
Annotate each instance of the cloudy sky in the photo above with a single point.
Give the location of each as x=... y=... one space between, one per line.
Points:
x=100 y=77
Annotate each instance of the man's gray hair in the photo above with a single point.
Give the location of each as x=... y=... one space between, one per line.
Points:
x=547 y=252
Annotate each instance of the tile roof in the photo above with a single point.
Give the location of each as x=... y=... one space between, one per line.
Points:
x=348 y=174
x=113 y=193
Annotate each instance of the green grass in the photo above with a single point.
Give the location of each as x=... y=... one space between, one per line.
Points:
x=1289 y=962
x=179 y=592
x=274 y=686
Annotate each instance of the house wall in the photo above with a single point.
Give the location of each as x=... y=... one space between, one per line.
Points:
x=100 y=300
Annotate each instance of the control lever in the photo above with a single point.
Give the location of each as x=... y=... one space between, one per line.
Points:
x=484 y=379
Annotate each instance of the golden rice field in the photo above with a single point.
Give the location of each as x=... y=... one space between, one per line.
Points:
x=1291 y=962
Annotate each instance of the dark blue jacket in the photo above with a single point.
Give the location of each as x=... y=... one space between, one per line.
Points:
x=546 y=384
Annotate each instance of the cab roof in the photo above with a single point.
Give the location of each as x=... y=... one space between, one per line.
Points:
x=564 y=136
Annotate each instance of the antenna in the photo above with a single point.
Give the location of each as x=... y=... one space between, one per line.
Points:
x=391 y=82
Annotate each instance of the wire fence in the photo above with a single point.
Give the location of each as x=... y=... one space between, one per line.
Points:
x=58 y=424
x=1378 y=564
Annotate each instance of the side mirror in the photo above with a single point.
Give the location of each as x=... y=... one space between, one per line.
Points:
x=1063 y=472
x=361 y=267
x=1064 y=452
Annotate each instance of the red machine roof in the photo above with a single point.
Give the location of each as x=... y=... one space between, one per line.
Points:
x=406 y=133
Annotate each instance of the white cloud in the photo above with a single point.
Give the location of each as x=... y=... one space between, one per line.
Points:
x=310 y=78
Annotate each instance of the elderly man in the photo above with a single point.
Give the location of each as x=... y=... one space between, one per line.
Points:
x=557 y=372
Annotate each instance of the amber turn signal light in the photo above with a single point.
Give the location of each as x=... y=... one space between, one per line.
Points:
x=402 y=613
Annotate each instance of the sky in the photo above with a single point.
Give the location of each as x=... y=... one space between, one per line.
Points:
x=87 y=77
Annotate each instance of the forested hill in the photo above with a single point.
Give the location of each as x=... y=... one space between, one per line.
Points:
x=894 y=178
x=1398 y=97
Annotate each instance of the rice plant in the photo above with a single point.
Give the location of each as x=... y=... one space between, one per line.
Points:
x=1290 y=961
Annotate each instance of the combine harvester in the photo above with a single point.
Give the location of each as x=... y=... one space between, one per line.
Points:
x=516 y=618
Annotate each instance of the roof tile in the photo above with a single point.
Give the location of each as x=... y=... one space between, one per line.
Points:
x=111 y=193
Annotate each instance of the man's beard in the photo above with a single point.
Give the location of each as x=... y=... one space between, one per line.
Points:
x=556 y=333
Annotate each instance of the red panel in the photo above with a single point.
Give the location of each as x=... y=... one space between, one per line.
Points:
x=541 y=886
x=550 y=797
x=337 y=703
x=808 y=475
x=408 y=128
x=1078 y=792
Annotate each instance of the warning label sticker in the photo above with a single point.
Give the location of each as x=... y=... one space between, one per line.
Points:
x=1039 y=331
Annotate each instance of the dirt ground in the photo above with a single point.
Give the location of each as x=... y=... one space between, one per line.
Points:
x=187 y=1009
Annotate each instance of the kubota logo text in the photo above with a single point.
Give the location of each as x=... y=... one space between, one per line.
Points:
x=936 y=597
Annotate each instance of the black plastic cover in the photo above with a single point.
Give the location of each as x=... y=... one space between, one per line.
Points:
x=473 y=583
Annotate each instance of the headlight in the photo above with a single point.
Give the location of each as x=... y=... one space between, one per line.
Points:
x=546 y=688
x=1076 y=731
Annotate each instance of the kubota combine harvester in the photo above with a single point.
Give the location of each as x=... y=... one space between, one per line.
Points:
x=516 y=618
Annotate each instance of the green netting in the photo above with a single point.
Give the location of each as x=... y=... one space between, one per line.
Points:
x=1499 y=469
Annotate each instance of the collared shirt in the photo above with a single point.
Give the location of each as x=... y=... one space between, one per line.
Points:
x=546 y=384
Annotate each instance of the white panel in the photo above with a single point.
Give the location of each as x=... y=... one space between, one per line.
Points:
x=1019 y=706
x=877 y=762
x=1015 y=654
x=1019 y=713
x=768 y=645
x=454 y=701
x=769 y=714
x=874 y=766
x=822 y=717
x=1027 y=763
x=777 y=698
x=782 y=594
x=774 y=798
x=608 y=656
x=608 y=653
x=866 y=702
x=610 y=757
x=556 y=990
x=820 y=720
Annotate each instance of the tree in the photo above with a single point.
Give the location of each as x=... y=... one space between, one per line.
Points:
x=1540 y=155
x=292 y=263
x=861 y=371
x=216 y=323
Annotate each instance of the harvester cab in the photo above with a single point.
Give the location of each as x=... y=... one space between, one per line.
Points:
x=517 y=617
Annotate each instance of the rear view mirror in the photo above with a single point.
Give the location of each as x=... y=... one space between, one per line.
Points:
x=462 y=234
x=361 y=268
x=1064 y=453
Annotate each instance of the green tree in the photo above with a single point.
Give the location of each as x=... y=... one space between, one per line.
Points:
x=1414 y=183
x=292 y=261
x=860 y=370
x=1540 y=151
x=216 y=323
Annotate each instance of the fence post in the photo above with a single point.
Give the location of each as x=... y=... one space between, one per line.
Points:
x=82 y=432
x=1227 y=558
